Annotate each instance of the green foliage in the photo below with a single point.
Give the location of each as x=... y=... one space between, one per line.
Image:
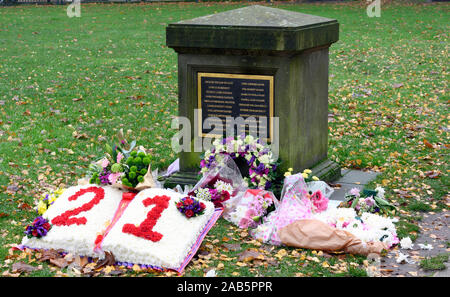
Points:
x=435 y=262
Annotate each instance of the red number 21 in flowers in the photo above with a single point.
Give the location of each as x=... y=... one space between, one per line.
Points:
x=145 y=229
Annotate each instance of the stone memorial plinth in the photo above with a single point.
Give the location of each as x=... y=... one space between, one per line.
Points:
x=279 y=54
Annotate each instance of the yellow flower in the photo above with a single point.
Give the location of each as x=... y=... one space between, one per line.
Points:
x=287 y=173
x=307 y=171
x=290 y=169
x=59 y=192
x=304 y=175
x=315 y=178
x=41 y=207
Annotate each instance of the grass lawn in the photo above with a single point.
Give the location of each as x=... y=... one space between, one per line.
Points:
x=67 y=85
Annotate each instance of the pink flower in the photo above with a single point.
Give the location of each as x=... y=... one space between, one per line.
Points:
x=113 y=177
x=354 y=192
x=119 y=157
x=319 y=201
x=105 y=163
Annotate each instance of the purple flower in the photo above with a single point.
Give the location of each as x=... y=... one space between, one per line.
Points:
x=104 y=177
x=252 y=159
x=39 y=228
x=260 y=169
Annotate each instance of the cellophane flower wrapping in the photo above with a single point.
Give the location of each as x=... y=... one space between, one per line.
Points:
x=224 y=172
x=294 y=205
x=249 y=209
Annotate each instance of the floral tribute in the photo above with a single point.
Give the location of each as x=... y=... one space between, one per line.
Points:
x=217 y=190
x=38 y=228
x=368 y=227
x=371 y=201
x=190 y=207
x=254 y=205
x=122 y=163
x=147 y=230
x=258 y=157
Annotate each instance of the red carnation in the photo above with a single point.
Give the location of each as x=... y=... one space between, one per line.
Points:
x=188 y=201
x=35 y=233
x=202 y=205
x=189 y=213
x=47 y=226
x=225 y=196
x=179 y=204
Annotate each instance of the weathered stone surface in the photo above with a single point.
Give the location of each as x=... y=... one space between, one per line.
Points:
x=253 y=28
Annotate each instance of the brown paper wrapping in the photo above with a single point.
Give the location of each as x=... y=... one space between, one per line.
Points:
x=317 y=235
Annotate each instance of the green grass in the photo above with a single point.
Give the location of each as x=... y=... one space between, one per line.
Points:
x=435 y=262
x=387 y=94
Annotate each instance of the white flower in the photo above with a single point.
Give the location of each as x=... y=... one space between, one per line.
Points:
x=203 y=194
x=223 y=186
x=249 y=139
x=211 y=273
x=380 y=192
x=406 y=243
x=425 y=246
x=264 y=159
x=403 y=258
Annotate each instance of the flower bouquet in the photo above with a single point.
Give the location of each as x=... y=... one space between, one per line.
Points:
x=252 y=207
x=216 y=190
x=256 y=160
x=220 y=184
x=295 y=204
x=371 y=201
x=123 y=166
x=368 y=227
x=38 y=228
x=191 y=207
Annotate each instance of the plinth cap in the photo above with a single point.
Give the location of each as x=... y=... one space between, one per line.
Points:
x=254 y=27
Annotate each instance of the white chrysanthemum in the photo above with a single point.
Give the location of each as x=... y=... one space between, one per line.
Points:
x=223 y=186
x=406 y=243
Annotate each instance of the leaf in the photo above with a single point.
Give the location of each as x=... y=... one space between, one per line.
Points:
x=22 y=267
x=232 y=246
x=108 y=260
x=60 y=262
x=428 y=144
x=48 y=255
x=432 y=174
x=250 y=255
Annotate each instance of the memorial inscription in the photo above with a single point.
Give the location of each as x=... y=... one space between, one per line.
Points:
x=224 y=97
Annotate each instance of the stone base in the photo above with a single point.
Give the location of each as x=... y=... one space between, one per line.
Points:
x=182 y=179
x=327 y=171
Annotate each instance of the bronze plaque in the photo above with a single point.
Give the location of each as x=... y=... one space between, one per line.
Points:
x=222 y=96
